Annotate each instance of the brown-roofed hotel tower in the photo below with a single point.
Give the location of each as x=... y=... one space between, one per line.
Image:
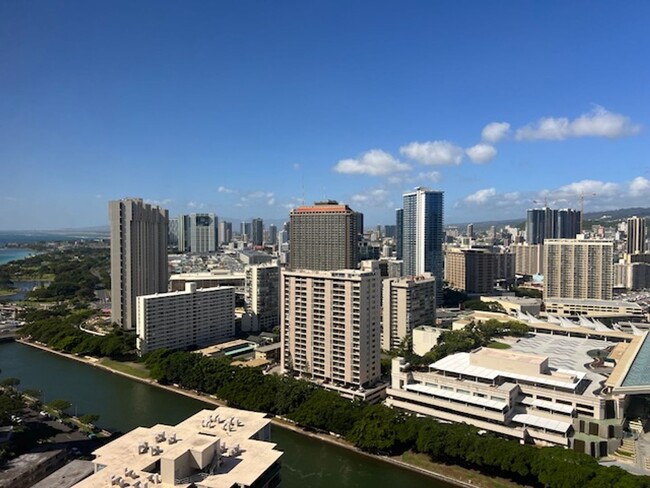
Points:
x=324 y=236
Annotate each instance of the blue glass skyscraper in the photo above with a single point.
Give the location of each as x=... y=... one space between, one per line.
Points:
x=422 y=234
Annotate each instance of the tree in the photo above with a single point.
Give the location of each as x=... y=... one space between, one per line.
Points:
x=59 y=405
x=10 y=382
x=89 y=418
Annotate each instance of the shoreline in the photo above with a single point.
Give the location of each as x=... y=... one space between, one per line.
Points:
x=277 y=421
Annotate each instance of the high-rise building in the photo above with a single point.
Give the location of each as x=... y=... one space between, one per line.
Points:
x=399 y=233
x=225 y=232
x=203 y=233
x=407 y=303
x=245 y=230
x=546 y=223
x=470 y=231
x=529 y=259
x=257 y=232
x=261 y=297
x=273 y=234
x=183 y=243
x=139 y=234
x=330 y=324
x=182 y=319
x=636 y=232
x=423 y=234
x=472 y=270
x=172 y=239
x=324 y=237
x=578 y=268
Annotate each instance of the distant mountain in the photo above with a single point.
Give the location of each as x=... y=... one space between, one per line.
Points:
x=600 y=217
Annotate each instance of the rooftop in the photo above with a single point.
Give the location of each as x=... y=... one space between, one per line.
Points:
x=216 y=445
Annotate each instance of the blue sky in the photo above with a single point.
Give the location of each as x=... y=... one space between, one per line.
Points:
x=245 y=108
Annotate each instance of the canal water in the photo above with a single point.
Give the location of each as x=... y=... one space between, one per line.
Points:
x=124 y=404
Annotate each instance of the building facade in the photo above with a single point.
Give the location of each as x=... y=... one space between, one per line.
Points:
x=422 y=234
x=203 y=233
x=578 y=268
x=183 y=319
x=257 y=232
x=330 y=325
x=225 y=232
x=546 y=223
x=262 y=297
x=406 y=303
x=472 y=270
x=139 y=234
x=324 y=236
x=636 y=235
x=529 y=259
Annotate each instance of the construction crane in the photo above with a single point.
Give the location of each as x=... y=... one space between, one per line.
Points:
x=582 y=206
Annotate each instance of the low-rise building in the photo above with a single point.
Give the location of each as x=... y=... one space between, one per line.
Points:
x=424 y=338
x=219 y=448
x=514 y=305
x=177 y=282
x=183 y=319
x=516 y=394
x=565 y=307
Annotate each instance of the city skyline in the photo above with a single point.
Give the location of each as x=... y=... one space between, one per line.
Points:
x=251 y=112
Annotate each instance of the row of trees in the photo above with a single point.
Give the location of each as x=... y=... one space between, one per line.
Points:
x=58 y=327
x=381 y=430
x=464 y=340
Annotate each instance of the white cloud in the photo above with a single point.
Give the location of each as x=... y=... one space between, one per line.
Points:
x=223 y=189
x=433 y=176
x=377 y=196
x=597 y=123
x=433 y=152
x=295 y=166
x=374 y=162
x=495 y=131
x=481 y=196
x=271 y=201
x=481 y=153
x=588 y=187
x=159 y=203
x=639 y=186
x=196 y=205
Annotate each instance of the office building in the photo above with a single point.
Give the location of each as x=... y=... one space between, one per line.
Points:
x=578 y=268
x=246 y=232
x=203 y=233
x=257 y=232
x=505 y=266
x=422 y=234
x=470 y=231
x=546 y=223
x=407 y=303
x=183 y=319
x=399 y=229
x=472 y=270
x=262 y=297
x=330 y=325
x=214 y=448
x=225 y=232
x=324 y=236
x=273 y=235
x=390 y=230
x=636 y=234
x=183 y=243
x=139 y=234
x=172 y=239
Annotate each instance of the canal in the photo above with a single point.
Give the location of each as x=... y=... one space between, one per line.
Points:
x=124 y=404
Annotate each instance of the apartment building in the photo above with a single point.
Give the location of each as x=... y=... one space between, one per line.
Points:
x=578 y=268
x=407 y=303
x=472 y=270
x=330 y=325
x=182 y=319
x=262 y=297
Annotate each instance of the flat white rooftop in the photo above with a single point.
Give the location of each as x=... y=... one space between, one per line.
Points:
x=460 y=364
x=242 y=459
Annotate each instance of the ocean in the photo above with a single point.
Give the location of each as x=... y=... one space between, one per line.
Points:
x=11 y=254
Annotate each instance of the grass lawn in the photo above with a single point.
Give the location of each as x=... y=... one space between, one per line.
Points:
x=5 y=292
x=498 y=345
x=135 y=369
x=456 y=472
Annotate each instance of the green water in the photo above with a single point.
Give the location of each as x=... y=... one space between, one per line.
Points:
x=124 y=404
